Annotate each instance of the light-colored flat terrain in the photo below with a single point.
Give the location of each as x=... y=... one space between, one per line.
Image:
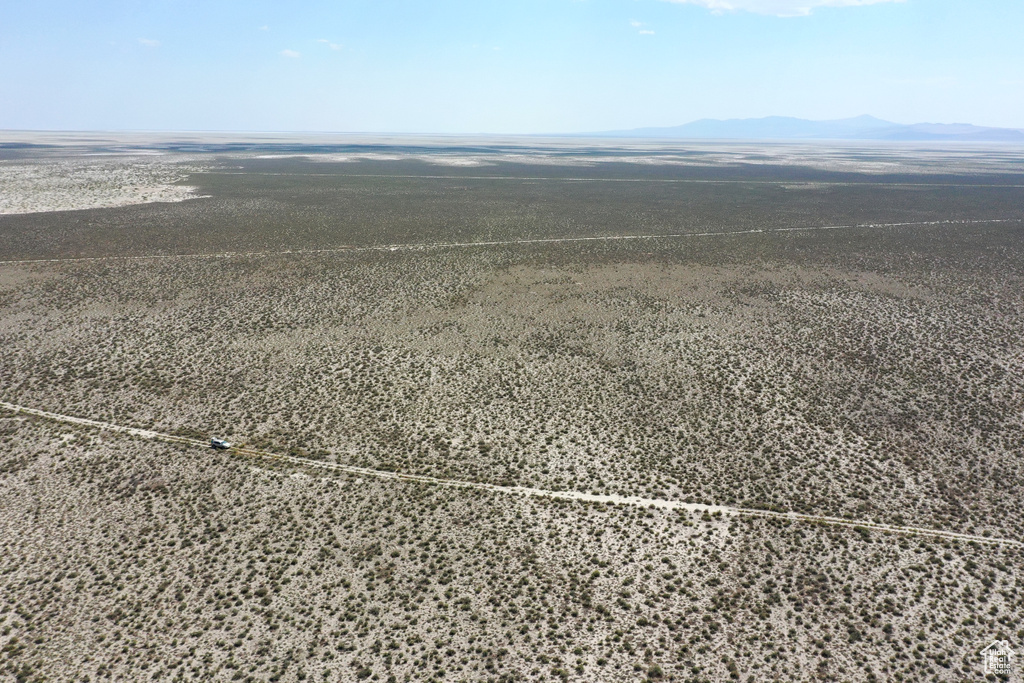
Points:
x=90 y=183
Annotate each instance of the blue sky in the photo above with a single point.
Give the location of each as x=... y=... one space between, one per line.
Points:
x=531 y=66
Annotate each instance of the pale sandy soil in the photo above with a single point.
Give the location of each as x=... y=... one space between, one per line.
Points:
x=90 y=184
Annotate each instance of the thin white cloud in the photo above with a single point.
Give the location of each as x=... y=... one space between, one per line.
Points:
x=333 y=46
x=639 y=26
x=291 y=54
x=778 y=8
x=149 y=42
x=264 y=28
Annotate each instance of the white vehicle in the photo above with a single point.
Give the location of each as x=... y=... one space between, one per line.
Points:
x=220 y=444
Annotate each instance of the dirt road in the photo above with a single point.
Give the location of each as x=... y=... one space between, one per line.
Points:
x=427 y=246
x=517 y=490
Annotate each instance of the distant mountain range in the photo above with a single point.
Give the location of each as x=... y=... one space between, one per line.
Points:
x=857 y=128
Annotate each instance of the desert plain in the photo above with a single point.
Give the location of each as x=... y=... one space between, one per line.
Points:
x=508 y=410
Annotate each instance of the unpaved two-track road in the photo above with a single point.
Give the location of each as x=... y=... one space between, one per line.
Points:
x=516 y=490
x=428 y=246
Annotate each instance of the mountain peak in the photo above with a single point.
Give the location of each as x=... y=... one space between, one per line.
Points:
x=863 y=127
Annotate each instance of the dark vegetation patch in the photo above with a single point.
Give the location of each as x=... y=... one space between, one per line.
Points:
x=304 y=205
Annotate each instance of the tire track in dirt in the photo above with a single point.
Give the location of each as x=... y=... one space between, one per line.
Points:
x=427 y=246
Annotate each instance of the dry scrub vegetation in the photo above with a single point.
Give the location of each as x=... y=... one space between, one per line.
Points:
x=760 y=372
x=869 y=373
x=127 y=559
